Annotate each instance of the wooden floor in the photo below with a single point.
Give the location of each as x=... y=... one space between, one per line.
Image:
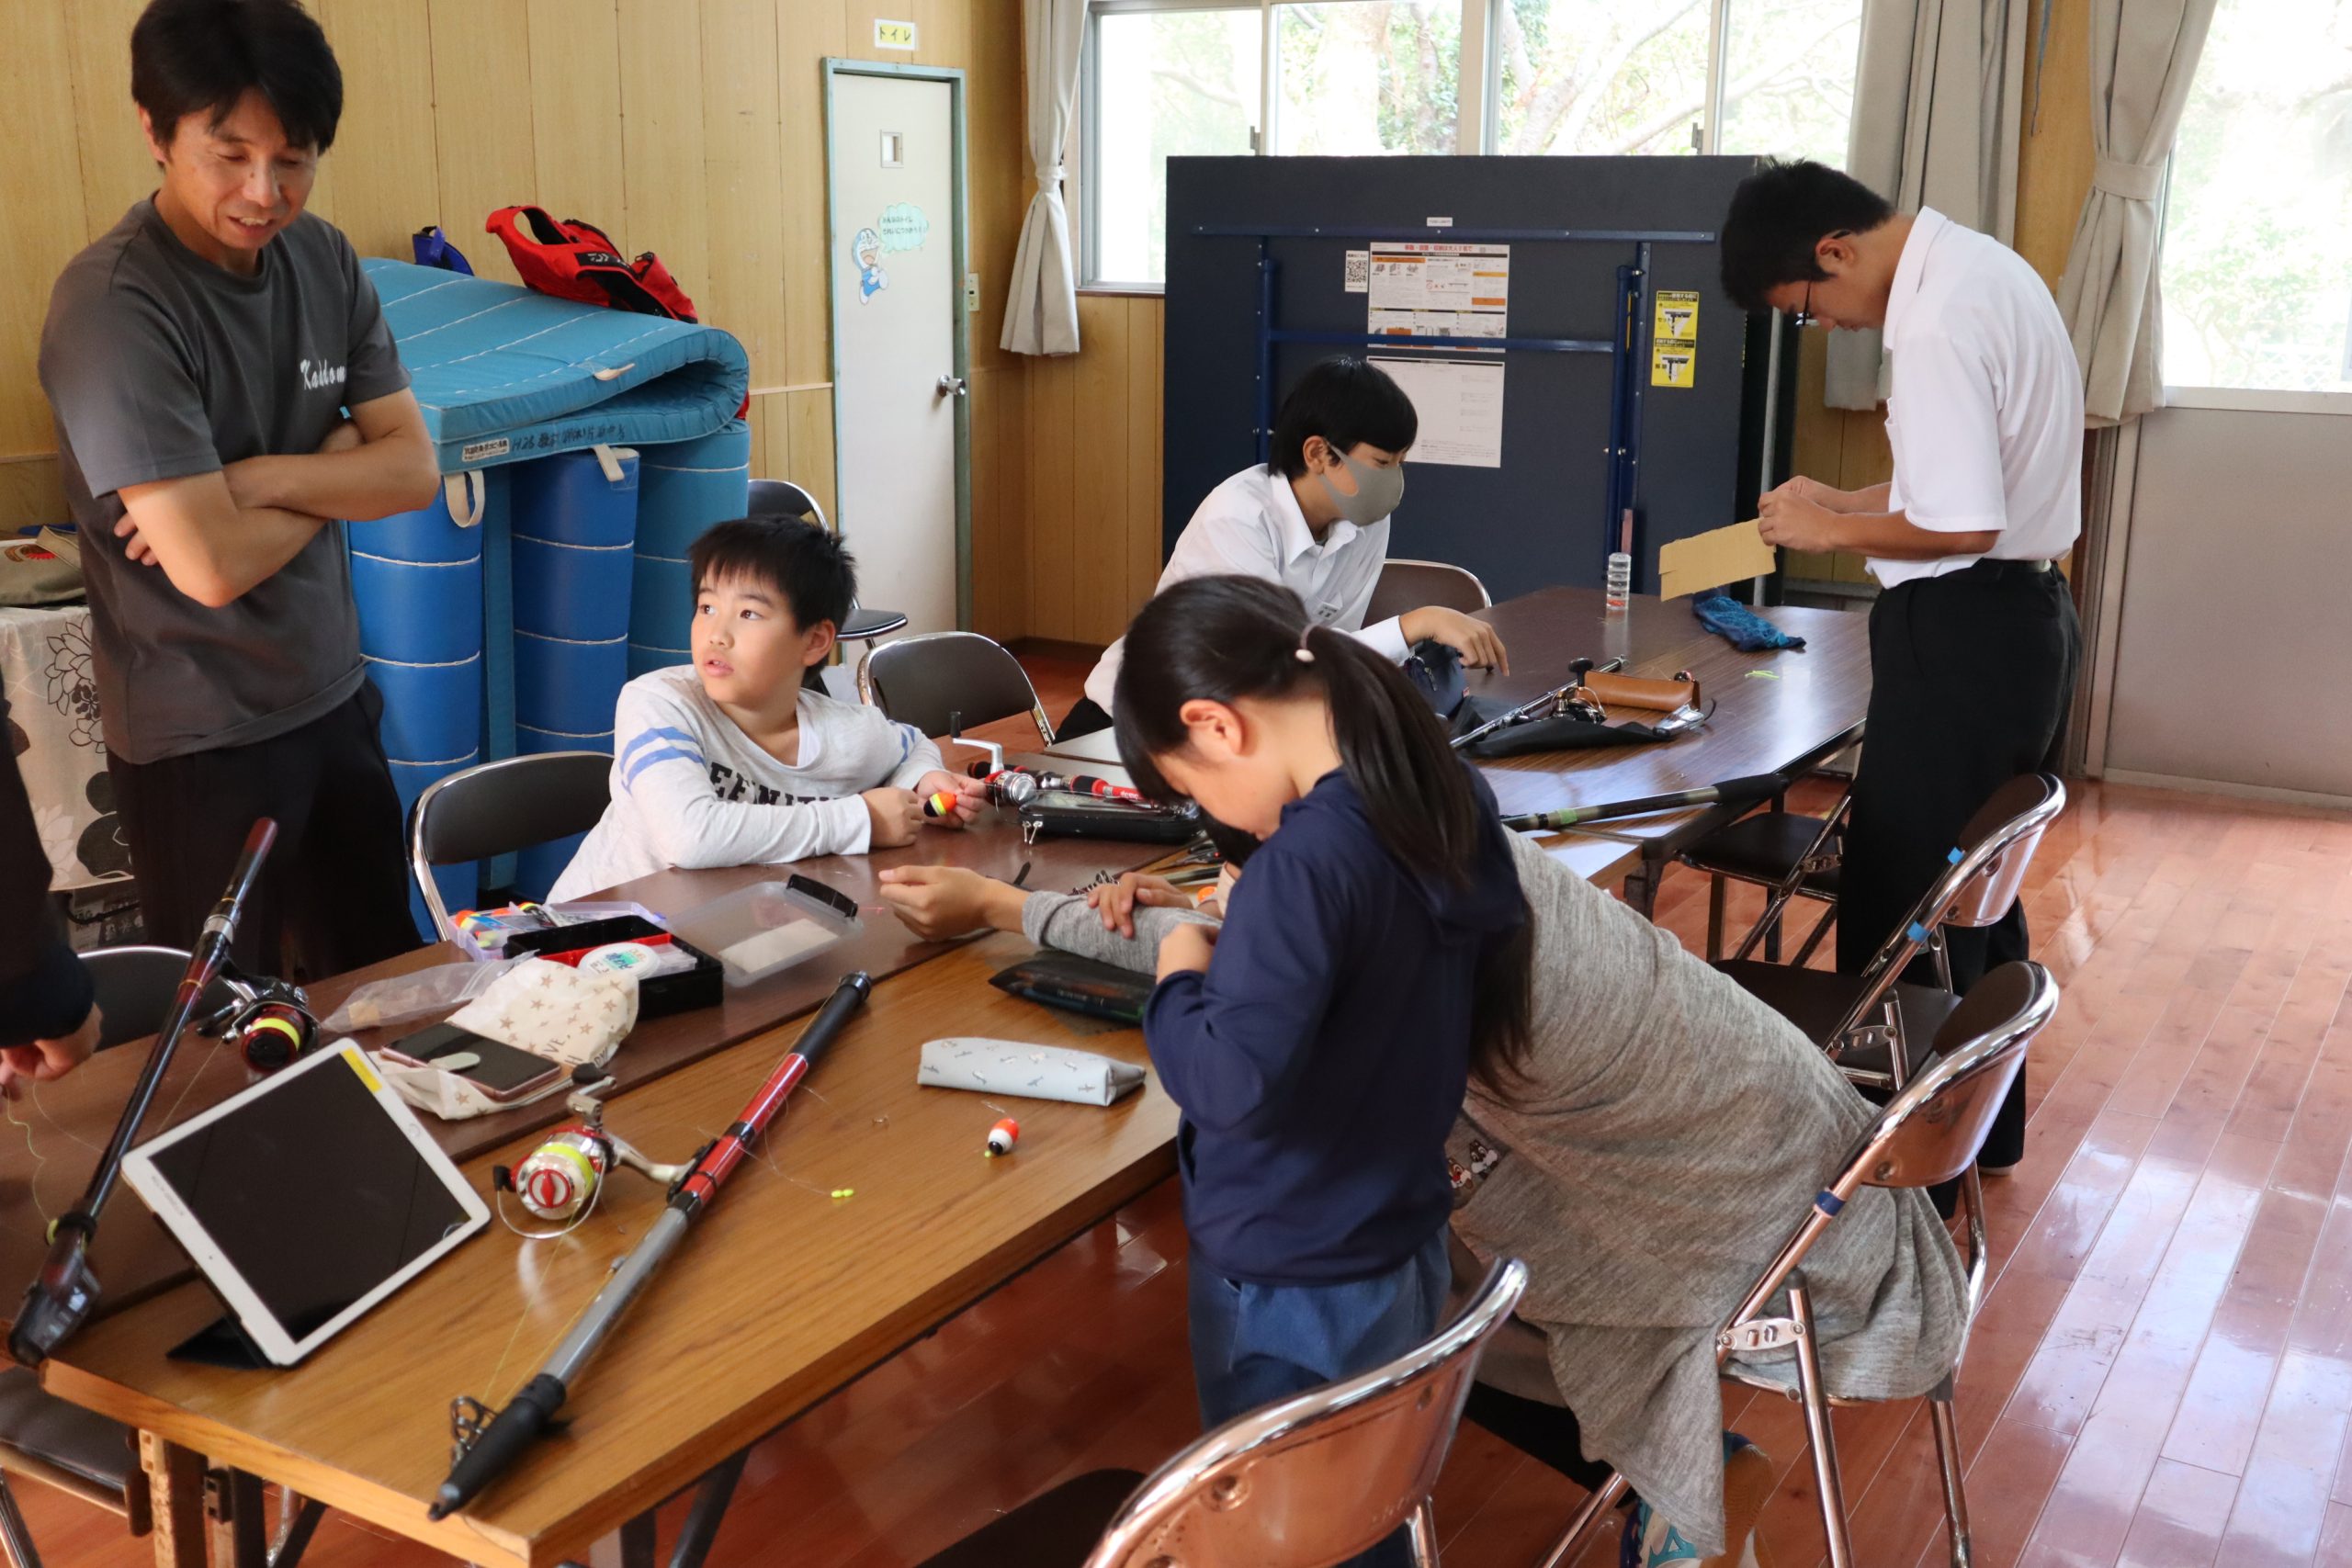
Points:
x=2161 y=1377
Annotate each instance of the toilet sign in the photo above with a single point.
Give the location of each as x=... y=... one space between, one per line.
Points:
x=893 y=35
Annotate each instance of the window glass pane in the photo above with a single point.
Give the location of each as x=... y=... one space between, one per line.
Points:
x=1180 y=83
x=1365 y=76
x=1598 y=76
x=2257 y=246
x=1789 y=78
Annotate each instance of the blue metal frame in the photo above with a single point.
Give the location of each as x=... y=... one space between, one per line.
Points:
x=1627 y=347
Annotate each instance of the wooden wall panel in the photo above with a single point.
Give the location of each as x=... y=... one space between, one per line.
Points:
x=482 y=115
x=386 y=195
x=2055 y=160
x=40 y=191
x=117 y=169
x=665 y=205
x=742 y=151
x=1098 y=535
x=576 y=111
x=807 y=32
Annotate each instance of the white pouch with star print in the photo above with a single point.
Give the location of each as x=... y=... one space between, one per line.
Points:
x=554 y=1010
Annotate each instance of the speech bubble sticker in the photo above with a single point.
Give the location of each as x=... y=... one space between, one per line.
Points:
x=904 y=227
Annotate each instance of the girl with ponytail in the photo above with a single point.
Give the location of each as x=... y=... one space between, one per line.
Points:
x=1374 y=955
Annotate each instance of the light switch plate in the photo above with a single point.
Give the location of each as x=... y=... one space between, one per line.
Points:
x=971 y=292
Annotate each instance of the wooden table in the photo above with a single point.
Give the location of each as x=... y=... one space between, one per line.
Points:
x=788 y=1293
x=1777 y=713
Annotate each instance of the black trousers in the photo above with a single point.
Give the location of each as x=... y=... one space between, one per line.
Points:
x=1971 y=677
x=1084 y=718
x=334 y=895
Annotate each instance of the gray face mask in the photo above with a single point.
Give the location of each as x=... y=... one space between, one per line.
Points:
x=1377 y=491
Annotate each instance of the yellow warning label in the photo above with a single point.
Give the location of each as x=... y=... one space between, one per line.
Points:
x=360 y=1065
x=1674 y=338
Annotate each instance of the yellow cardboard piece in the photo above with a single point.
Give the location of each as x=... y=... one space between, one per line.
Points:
x=1712 y=559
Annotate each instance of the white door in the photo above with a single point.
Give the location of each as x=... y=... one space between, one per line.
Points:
x=897 y=297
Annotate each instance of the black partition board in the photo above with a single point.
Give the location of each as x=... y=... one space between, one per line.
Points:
x=1540 y=518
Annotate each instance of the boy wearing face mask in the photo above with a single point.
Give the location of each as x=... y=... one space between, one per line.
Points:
x=1314 y=519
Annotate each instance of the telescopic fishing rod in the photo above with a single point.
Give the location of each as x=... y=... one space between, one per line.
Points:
x=1732 y=792
x=488 y=1444
x=63 y=1293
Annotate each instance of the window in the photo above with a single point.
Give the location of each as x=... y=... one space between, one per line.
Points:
x=1367 y=77
x=1358 y=78
x=1159 y=82
x=2257 y=228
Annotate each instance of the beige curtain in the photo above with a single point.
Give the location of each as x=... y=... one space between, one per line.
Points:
x=2143 y=57
x=1041 y=311
x=1935 y=111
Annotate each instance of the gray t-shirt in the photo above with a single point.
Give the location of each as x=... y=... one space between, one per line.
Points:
x=160 y=364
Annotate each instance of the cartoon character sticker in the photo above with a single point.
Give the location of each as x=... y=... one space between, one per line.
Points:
x=871 y=279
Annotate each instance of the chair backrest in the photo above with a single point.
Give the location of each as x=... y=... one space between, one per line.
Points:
x=135 y=987
x=1998 y=843
x=1316 y=1478
x=495 y=808
x=782 y=498
x=1933 y=1128
x=1931 y=1131
x=1409 y=584
x=930 y=679
x=1978 y=884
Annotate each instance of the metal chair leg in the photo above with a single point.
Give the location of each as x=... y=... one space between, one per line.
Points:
x=15 y=1536
x=1955 y=1484
x=1424 y=1536
x=1595 y=1508
x=1820 y=930
x=1817 y=1427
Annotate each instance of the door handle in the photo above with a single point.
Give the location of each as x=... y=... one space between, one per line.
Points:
x=952 y=386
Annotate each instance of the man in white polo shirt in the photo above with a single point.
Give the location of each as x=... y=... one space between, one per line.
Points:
x=1974 y=639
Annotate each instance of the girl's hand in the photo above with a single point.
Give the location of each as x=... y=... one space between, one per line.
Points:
x=941 y=901
x=1117 y=903
x=1186 y=948
x=970 y=796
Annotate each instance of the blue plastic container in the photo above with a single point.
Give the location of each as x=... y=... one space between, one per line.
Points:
x=685 y=487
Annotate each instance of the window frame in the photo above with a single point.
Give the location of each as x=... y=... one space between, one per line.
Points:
x=1480 y=91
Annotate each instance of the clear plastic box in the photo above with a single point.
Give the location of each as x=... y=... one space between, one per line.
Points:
x=765 y=928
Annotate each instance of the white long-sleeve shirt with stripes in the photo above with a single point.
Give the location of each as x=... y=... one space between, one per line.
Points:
x=690 y=789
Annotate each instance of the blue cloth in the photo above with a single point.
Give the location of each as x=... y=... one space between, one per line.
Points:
x=1255 y=1344
x=1320 y=1059
x=1743 y=628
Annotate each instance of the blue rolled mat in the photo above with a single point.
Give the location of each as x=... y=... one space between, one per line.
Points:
x=685 y=487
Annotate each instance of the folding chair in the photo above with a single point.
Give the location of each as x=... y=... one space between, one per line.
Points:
x=782 y=498
x=1409 y=584
x=944 y=682
x=1928 y=1133
x=1302 y=1482
x=1874 y=1025
x=1787 y=854
x=493 y=808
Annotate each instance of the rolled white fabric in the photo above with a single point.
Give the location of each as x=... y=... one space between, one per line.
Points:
x=1030 y=1072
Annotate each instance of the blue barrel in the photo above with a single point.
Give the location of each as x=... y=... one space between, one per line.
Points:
x=417 y=579
x=687 y=487
x=573 y=545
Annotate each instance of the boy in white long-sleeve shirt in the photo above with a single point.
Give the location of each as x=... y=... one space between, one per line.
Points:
x=732 y=761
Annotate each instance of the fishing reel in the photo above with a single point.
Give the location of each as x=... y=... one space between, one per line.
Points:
x=563 y=1178
x=270 y=1021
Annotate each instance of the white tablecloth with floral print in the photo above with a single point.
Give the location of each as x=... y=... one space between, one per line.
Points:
x=52 y=728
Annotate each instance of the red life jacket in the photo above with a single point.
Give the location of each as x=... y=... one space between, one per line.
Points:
x=576 y=259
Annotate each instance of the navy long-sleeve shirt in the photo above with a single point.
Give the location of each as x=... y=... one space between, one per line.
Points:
x=45 y=991
x=1321 y=1058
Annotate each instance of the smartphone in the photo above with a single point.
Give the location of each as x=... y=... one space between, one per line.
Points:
x=503 y=1073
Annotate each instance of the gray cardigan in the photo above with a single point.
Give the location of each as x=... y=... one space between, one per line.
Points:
x=1667 y=1135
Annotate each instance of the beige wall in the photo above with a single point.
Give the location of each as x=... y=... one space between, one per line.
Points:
x=694 y=128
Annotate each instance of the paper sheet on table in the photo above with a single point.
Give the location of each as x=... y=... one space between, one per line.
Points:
x=1712 y=559
x=1460 y=407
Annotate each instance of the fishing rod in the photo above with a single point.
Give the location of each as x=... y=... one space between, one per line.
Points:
x=1732 y=792
x=487 y=1444
x=65 y=1291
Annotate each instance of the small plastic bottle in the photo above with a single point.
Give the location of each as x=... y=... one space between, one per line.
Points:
x=1621 y=582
